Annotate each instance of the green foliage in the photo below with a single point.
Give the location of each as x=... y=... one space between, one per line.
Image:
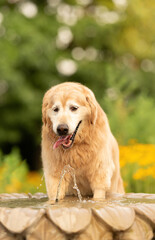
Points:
x=15 y=176
x=131 y=115
x=134 y=121
x=117 y=63
x=12 y=169
x=145 y=185
x=26 y=72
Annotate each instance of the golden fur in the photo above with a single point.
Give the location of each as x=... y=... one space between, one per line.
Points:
x=94 y=154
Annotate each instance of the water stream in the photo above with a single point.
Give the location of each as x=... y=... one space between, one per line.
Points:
x=68 y=169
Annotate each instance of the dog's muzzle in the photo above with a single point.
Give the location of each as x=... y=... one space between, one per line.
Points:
x=65 y=140
x=62 y=129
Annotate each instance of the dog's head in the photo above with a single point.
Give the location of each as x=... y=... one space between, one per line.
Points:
x=66 y=109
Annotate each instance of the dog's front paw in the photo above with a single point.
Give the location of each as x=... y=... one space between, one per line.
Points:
x=99 y=194
x=51 y=201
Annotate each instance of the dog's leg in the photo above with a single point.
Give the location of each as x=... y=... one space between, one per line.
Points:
x=99 y=193
x=100 y=174
x=52 y=187
x=100 y=184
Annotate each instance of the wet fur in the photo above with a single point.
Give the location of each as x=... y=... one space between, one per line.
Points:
x=94 y=154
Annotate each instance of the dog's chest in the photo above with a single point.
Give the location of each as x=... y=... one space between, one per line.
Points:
x=82 y=183
x=78 y=158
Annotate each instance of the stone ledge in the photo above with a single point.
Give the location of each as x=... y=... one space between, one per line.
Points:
x=120 y=217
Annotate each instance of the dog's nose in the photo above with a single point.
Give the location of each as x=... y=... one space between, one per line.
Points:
x=62 y=129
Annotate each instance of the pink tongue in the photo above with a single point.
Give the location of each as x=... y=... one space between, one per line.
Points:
x=60 y=141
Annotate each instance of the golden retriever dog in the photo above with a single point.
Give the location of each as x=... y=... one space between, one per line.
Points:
x=76 y=131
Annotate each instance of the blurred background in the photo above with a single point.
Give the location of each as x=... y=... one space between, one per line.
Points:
x=108 y=45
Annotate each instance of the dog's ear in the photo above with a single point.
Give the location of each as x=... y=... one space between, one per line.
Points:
x=47 y=103
x=44 y=111
x=92 y=103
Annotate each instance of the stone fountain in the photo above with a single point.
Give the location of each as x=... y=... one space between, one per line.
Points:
x=120 y=217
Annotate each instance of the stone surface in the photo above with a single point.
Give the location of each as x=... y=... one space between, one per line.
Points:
x=120 y=217
x=146 y=211
x=44 y=230
x=117 y=217
x=70 y=220
x=25 y=217
x=140 y=229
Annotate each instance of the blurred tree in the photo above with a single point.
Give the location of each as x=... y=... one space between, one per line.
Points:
x=107 y=45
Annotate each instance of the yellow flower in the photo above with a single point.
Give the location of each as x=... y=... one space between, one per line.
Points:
x=140 y=174
x=142 y=154
x=34 y=178
x=137 y=163
x=14 y=186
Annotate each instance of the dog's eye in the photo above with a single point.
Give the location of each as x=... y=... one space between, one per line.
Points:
x=56 y=109
x=73 y=108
